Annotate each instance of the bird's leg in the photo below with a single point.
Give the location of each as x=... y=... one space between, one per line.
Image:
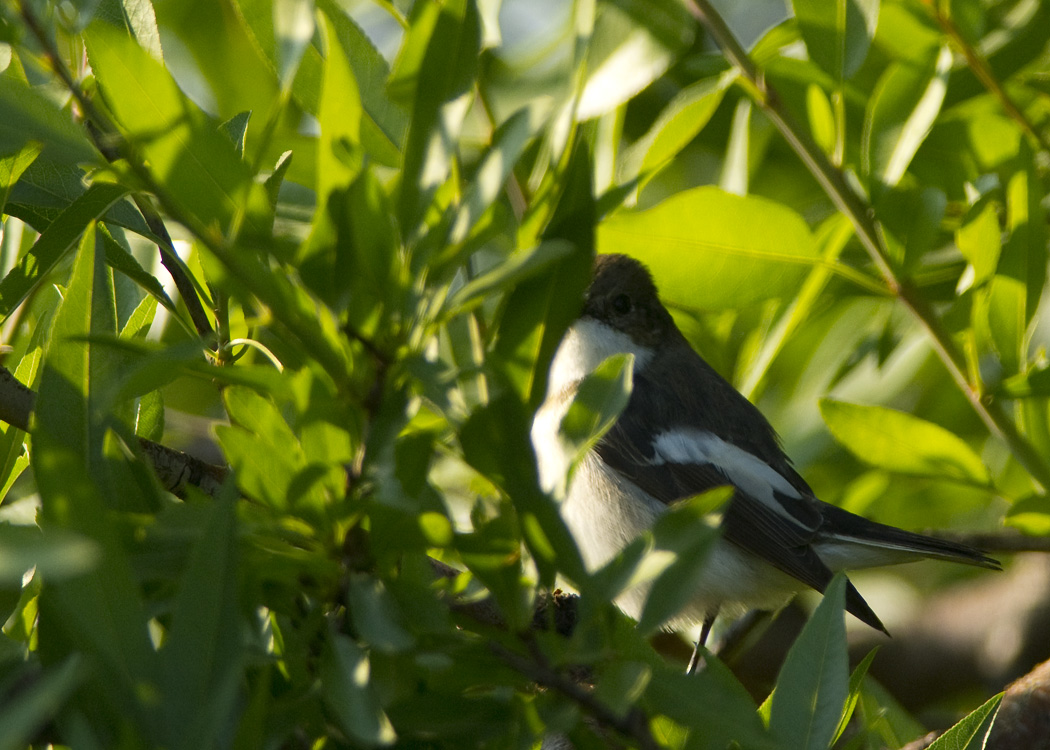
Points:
x=695 y=661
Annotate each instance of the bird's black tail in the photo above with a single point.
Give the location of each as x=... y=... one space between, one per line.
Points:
x=847 y=526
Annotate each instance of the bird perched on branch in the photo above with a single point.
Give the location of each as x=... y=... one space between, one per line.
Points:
x=686 y=430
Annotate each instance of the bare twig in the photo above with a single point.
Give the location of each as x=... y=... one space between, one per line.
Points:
x=175 y=470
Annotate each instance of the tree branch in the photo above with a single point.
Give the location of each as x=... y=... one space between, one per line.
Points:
x=175 y=470
x=862 y=216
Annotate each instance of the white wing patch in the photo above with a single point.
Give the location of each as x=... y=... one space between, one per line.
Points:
x=745 y=470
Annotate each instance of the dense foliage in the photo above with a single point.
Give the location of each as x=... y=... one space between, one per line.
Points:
x=350 y=235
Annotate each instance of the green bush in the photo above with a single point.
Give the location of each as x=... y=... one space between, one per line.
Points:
x=357 y=263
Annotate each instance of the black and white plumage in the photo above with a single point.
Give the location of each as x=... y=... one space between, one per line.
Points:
x=686 y=430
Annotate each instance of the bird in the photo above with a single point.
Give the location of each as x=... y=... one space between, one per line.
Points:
x=686 y=430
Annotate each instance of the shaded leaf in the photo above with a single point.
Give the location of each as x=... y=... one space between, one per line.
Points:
x=683 y=536
x=349 y=694
x=200 y=664
x=23 y=715
x=837 y=33
x=631 y=45
x=812 y=686
x=57 y=240
x=679 y=122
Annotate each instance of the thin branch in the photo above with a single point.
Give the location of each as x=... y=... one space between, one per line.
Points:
x=113 y=147
x=173 y=264
x=174 y=469
x=833 y=181
x=634 y=724
x=976 y=62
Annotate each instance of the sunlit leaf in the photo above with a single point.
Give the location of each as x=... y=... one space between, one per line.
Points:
x=902 y=442
x=972 y=732
x=901 y=112
x=679 y=122
x=710 y=250
x=196 y=166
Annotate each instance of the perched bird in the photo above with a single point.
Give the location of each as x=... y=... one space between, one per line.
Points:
x=686 y=430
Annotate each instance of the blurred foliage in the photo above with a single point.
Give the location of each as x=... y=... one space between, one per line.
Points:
x=375 y=223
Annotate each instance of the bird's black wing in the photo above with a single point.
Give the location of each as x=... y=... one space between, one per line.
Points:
x=778 y=528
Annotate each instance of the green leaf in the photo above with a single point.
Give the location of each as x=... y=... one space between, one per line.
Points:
x=979 y=240
x=838 y=33
x=999 y=322
x=235 y=128
x=383 y=123
x=201 y=661
x=519 y=266
x=494 y=440
x=338 y=161
x=812 y=686
x=885 y=718
x=47 y=188
x=736 y=165
x=196 y=166
x=711 y=250
x=678 y=124
x=436 y=67
x=14 y=454
x=682 y=539
x=12 y=167
x=539 y=310
x=349 y=695
x=119 y=259
x=508 y=143
x=632 y=44
x=262 y=449
x=293 y=23
x=821 y=118
x=36 y=702
x=598 y=401
x=856 y=682
x=900 y=114
x=712 y=702
x=1030 y=515
x=902 y=443
x=375 y=616
x=57 y=240
x=620 y=684
x=31 y=117
x=1033 y=384
x=149 y=417
x=972 y=731
x=1024 y=254
x=56 y=554
x=137 y=18
x=75 y=373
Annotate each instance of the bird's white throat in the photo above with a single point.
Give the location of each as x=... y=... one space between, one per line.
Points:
x=587 y=344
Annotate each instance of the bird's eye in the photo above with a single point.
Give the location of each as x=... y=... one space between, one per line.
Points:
x=621 y=304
